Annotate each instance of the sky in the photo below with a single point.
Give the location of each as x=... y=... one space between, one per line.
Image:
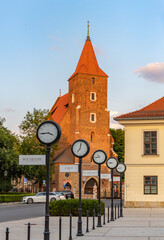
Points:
x=41 y=42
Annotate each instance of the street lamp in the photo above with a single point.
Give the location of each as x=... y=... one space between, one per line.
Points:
x=121 y=168
x=112 y=163
x=5 y=175
x=99 y=157
x=48 y=133
x=80 y=148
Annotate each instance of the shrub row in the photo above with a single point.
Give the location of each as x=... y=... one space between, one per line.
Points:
x=62 y=208
x=13 y=198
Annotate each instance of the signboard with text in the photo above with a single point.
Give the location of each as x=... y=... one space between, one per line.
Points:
x=32 y=159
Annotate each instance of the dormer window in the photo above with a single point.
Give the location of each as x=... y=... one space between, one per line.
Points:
x=93 y=96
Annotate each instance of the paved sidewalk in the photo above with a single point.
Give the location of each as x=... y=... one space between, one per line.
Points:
x=137 y=224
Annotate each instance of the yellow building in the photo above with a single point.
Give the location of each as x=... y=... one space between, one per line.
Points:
x=144 y=155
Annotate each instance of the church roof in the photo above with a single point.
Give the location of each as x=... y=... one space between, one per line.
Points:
x=88 y=63
x=59 y=108
x=153 y=111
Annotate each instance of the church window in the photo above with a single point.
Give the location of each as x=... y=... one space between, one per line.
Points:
x=92 y=136
x=73 y=98
x=93 y=117
x=93 y=96
x=150 y=185
x=93 y=80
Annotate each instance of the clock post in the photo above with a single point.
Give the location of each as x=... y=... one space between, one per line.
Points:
x=99 y=157
x=80 y=148
x=112 y=163
x=48 y=133
x=121 y=168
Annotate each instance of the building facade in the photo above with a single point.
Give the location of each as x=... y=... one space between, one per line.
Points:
x=144 y=155
x=82 y=114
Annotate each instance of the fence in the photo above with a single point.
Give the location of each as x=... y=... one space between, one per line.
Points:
x=89 y=224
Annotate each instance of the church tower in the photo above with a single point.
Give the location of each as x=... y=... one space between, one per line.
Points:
x=82 y=114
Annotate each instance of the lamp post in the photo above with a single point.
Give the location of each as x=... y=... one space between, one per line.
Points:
x=99 y=157
x=80 y=148
x=112 y=163
x=5 y=175
x=48 y=133
x=121 y=168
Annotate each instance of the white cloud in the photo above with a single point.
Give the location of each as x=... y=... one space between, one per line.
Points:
x=114 y=124
x=98 y=50
x=152 y=72
x=8 y=110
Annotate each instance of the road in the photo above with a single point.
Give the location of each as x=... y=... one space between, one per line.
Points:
x=12 y=212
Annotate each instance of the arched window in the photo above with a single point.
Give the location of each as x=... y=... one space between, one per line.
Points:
x=89 y=186
x=92 y=136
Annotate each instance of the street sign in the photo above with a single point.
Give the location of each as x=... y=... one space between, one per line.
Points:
x=32 y=159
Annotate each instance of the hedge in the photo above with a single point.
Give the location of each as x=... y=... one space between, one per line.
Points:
x=62 y=208
x=13 y=198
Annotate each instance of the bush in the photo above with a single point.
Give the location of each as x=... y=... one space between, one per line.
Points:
x=13 y=197
x=62 y=208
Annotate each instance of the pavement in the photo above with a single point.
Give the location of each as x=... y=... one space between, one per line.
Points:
x=137 y=224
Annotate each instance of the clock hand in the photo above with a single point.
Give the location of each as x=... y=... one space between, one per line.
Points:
x=80 y=147
x=47 y=133
x=97 y=156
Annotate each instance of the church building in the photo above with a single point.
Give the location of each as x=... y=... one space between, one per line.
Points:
x=82 y=114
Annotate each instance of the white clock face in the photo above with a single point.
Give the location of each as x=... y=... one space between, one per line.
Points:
x=47 y=132
x=99 y=156
x=121 y=168
x=80 y=148
x=112 y=162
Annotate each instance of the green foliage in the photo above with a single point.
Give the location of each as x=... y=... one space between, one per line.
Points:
x=62 y=208
x=9 y=144
x=118 y=136
x=13 y=197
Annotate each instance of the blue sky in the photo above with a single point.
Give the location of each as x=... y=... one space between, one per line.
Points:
x=41 y=42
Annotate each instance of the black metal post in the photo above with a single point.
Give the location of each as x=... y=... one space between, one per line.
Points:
x=87 y=228
x=46 y=231
x=93 y=228
x=7 y=233
x=28 y=231
x=112 y=212
x=104 y=217
x=115 y=211
x=60 y=227
x=108 y=214
x=99 y=205
x=70 y=226
x=79 y=230
x=121 y=210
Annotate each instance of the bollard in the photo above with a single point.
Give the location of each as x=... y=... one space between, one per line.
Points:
x=87 y=228
x=118 y=211
x=70 y=226
x=115 y=211
x=108 y=214
x=104 y=217
x=28 y=231
x=7 y=233
x=93 y=228
x=60 y=223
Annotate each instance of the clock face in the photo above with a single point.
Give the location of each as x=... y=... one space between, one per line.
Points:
x=80 y=148
x=99 y=157
x=121 y=167
x=112 y=162
x=48 y=132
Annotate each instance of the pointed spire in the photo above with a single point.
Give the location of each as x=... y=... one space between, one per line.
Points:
x=88 y=37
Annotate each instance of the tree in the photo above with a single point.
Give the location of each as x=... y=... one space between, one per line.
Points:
x=8 y=155
x=31 y=146
x=118 y=136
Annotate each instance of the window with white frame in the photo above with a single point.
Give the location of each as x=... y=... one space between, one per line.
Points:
x=93 y=96
x=93 y=117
